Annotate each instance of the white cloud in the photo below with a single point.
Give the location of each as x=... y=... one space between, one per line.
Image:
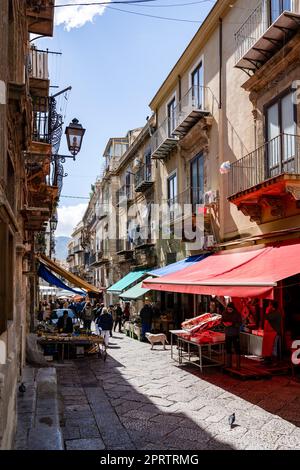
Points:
x=77 y=16
x=68 y=218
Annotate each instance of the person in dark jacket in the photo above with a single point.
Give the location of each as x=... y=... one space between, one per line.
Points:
x=118 y=317
x=65 y=324
x=232 y=322
x=146 y=315
x=105 y=324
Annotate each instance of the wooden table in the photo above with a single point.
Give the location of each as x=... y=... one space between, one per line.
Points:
x=213 y=353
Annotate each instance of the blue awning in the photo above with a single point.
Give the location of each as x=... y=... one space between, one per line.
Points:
x=47 y=275
x=126 y=282
x=174 y=267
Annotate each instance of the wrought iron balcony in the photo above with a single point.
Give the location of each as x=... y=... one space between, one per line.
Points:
x=124 y=194
x=264 y=32
x=41 y=131
x=123 y=247
x=102 y=210
x=197 y=102
x=143 y=178
x=92 y=258
x=77 y=248
x=143 y=237
x=38 y=64
x=184 y=204
x=278 y=156
x=164 y=140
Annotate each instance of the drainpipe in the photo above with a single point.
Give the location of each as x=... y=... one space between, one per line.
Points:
x=222 y=182
x=220 y=60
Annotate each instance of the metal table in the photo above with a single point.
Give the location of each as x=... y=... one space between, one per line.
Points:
x=213 y=353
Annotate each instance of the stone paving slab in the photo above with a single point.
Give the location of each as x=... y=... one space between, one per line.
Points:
x=141 y=399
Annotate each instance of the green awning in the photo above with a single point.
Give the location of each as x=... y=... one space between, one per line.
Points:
x=126 y=282
x=135 y=292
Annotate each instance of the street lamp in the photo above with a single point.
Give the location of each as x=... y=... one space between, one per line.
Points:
x=74 y=133
x=53 y=223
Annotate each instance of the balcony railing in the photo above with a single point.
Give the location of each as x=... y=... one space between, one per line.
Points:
x=102 y=210
x=142 y=236
x=124 y=194
x=256 y=25
x=163 y=140
x=41 y=131
x=280 y=155
x=38 y=64
x=77 y=248
x=92 y=259
x=197 y=102
x=184 y=204
x=123 y=246
x=143 y=177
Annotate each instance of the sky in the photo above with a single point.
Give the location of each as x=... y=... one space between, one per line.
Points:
x=115 y=63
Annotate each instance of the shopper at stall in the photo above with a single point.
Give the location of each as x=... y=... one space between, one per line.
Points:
x=126 y=312
x=271 y=349
x=87 y=316
x=65 y=324
x=105 y=324
x=232 y=321
x=146 y=315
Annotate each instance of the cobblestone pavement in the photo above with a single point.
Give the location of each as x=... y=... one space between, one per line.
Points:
x=140 y=399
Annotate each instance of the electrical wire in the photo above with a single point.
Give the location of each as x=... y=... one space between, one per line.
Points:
x=155 y=16
x=101 y=3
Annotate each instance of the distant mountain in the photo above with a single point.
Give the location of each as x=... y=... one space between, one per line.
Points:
x=61 y=247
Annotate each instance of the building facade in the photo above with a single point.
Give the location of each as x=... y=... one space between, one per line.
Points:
x=28 y=189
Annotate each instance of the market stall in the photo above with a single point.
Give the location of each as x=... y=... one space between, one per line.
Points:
x=71 y=345
x=198 y=343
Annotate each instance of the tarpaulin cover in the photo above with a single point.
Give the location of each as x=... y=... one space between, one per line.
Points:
x=135 y=292
x=72 y=278
x=251 y=273
x=126 y=282
x=47 y=275
x=174 y=267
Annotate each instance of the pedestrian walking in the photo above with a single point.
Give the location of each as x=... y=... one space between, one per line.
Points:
x=118 y=317
x=232 y=321
x=105 y=324
x=112 y=311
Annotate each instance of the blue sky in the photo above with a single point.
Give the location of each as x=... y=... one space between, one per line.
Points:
x=115 y=64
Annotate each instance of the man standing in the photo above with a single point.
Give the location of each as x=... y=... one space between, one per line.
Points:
x=146 y=315
x=118 y=317
x=87 y=316
x=272 y=332
x=232 y=321
x=65 y=324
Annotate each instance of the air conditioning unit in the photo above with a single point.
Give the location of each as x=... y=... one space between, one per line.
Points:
x=210 y=197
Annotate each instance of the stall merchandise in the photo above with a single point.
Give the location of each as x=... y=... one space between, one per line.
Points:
x=203 y=322
x=90 y=343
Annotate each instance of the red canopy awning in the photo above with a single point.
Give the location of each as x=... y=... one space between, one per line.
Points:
x=251 y=273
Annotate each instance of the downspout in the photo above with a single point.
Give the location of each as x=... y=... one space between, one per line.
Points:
x=222 y=181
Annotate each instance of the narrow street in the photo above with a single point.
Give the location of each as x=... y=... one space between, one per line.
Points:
x=140 y=399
